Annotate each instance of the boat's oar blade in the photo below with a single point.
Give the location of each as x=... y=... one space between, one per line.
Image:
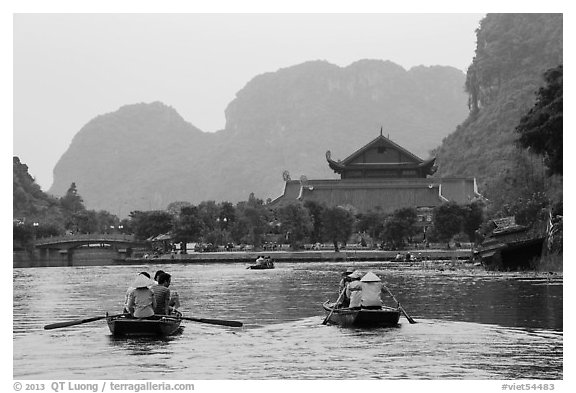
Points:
x=71 y=323
x=214 y=321
x=408 y=317
x=325 y=321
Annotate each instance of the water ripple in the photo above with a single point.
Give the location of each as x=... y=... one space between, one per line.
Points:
x=471 y=326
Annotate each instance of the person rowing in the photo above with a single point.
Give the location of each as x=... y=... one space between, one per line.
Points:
x=345 y=300
x=174 y=297
x=162 y=294
x=354 y=290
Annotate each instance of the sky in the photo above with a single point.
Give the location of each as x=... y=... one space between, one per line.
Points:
x=69 y=68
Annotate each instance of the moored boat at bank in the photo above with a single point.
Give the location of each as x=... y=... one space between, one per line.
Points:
x=346 y=317
x=509 y=246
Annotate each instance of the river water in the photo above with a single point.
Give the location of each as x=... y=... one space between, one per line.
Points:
x=471 y=324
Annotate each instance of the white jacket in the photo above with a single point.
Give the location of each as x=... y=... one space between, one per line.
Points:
x=371 y=293
x=354 y=293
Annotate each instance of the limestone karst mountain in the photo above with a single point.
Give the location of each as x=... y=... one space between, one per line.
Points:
x=144 y=156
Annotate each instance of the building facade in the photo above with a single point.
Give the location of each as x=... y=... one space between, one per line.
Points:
x=381 y=176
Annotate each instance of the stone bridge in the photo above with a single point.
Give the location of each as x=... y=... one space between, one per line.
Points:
x=81 y=250
x=73 y=241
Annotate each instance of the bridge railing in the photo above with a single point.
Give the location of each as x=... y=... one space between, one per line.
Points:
x=93 y=237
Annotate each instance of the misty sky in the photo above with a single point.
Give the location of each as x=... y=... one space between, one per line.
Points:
x=69 y=68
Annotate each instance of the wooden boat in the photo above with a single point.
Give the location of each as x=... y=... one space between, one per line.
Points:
x=387 y=316
x=262 y=265
x=159 y=325
x=510 y=246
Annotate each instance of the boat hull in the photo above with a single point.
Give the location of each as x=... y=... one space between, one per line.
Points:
x=260 y=267
x=127 y=326
x=385 y=317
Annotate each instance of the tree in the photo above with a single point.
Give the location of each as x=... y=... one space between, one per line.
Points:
x=22 y=234
x=447 y=221
x=541 y=128
x=528 y=210
x=227 y=215
x=371 y=222
x=84 y=221
x=208 y=212
x=188 y=226
x=408 y=216
x=337 y=225
x=399 y=227
x=315 y=211
x=393 y=232
x=48 y=229
x=296 y=223
x=174 y=208
x=72 y=201
x=252 y=219
x=150 y=223
x=473 y=215
x=255 y=221
x=107 y=221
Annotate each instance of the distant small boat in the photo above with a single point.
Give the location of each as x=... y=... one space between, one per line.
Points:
x=346 y=317
x=265 y=264
x=160 y=325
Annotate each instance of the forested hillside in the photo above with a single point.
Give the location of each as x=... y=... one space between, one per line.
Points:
x=29 y=201
x=512 y=54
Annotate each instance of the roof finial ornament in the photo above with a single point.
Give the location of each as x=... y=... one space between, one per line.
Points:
x=380 y=130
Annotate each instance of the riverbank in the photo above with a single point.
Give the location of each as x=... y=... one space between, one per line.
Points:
x=250 y=256
x=305 y=256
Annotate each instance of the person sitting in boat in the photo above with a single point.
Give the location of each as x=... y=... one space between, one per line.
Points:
x=260 y=260
x=129 y=290
x=174 y=297
x=354 y=290
x=371 y=289
x=162 y=294
x=268 y=261
x=141 y=301
x=344 y=299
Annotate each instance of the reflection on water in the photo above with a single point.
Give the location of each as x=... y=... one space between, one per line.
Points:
x=471 y=325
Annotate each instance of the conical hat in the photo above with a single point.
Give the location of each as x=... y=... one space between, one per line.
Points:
x=141 y=281
x=370 y=277
x=348 y=271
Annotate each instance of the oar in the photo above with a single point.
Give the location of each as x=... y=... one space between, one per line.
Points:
x=76 y=322
x=214 y=321
x=325 y=321
x=408 y=317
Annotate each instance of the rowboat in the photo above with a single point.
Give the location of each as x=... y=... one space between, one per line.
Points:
x=261 y=267
x=266 y=264
x=346 y=317
x=159 y=325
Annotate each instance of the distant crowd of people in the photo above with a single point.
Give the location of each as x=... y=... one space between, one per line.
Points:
x=147 y=297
